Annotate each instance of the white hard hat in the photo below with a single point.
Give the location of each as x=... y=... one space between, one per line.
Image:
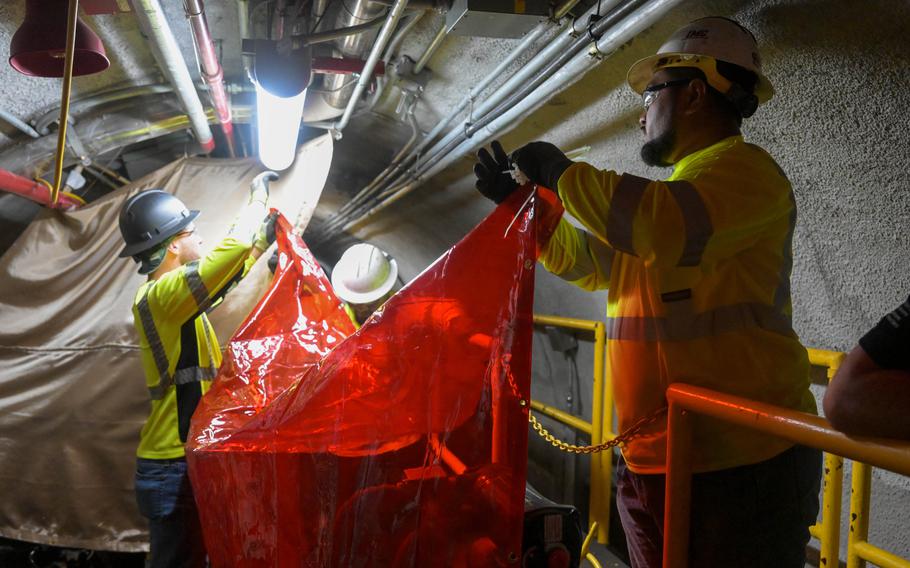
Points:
x=700 y=44
x=364 y=274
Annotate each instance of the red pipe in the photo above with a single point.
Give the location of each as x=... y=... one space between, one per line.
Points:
x=212 y=72
x=34 y=190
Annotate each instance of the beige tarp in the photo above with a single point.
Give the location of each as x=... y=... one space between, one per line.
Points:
x=72 y=394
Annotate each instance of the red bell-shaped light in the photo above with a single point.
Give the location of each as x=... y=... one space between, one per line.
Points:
x=38 y=47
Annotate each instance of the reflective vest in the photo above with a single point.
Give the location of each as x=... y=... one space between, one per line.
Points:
x=178 y=346
x=697 y=269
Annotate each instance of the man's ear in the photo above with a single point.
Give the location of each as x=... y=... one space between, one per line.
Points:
x=173 y=247
x=697 y=96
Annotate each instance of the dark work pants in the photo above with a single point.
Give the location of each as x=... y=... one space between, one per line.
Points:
x=165 y=498
x=756 y=515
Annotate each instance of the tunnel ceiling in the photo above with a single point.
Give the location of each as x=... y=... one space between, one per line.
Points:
x=368 y=144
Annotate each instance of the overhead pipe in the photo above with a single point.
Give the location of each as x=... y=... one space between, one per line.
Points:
x=385 y=34
x=107 y=132
x=18 y=123
x=212 y=72
x=339 y=89
x=37 y=191
x=607 y=44
x=544 y=63
x=552 y=57
x=397 y=165
x=403 y=30
x=332 y=35
x=431 y=49
x=42 y=125
x=167 y=53
x=400 y=168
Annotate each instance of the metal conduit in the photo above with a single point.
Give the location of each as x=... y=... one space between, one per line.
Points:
x=106 y=132
x=431 y=49
x=410 y=167
x=42 y=125
x=397 y=166
x=403 y=167
x=153 y=22
x=212 y=73
x=18 y=123
x=385 y=34
x=568 y=47
x=332 y=35
x=403 y=30
x=607 y=44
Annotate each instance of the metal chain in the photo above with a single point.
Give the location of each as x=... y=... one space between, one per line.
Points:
x=621 y=439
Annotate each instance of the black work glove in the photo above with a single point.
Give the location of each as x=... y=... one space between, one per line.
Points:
x=493 y=178
x=265 y=236
x=542 y=162
x=273 y=262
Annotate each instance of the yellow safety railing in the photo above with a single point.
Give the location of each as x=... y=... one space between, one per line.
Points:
x=797 y=427
x=827 y=531
x=598 y=428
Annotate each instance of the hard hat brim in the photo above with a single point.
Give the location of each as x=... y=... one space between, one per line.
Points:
x=642 y=70
x=352 y=297
x=137 y=248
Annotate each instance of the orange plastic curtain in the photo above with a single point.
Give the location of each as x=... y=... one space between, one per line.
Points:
x=401 y=444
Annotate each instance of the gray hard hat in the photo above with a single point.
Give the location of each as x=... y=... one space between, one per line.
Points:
x=149 y=218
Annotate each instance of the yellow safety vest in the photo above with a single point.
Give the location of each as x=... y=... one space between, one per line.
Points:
x=698 y=271
x=179 y=349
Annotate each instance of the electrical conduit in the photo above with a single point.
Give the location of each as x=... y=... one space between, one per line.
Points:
x=608 y=43
x=167 y=53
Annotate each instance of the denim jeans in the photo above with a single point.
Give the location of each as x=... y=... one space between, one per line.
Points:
x=752 y=516
x=165 y=498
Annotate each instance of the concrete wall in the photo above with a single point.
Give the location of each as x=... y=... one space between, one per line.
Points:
x=838 y=126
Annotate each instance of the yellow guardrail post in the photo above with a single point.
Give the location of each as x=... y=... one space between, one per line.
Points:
x=859 y=513
x=601 y=415
x=828 y=530
x=601 y=422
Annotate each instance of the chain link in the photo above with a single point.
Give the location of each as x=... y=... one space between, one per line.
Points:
x=619 y=440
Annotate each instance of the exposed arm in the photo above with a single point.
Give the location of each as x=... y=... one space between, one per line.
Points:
x=866 y=400
x=870 y=395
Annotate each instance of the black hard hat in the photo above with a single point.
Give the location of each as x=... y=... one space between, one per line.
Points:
x=149 y=218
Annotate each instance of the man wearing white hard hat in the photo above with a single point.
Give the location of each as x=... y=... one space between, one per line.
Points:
x=364 y=278
x=697 y=268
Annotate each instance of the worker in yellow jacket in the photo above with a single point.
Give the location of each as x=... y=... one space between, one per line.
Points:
x=179 y=350
x=697 y=269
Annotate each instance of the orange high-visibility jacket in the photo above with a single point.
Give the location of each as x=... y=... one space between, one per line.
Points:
x=698 y=273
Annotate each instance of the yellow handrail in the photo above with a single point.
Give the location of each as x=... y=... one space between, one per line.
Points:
x=562 y=416
x=601 y=421
x=798 y=427
x=827 y=531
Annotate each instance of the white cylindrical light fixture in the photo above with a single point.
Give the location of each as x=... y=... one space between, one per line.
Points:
x=277 y=124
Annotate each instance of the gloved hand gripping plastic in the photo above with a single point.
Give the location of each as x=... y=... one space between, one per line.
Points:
x=250 y=220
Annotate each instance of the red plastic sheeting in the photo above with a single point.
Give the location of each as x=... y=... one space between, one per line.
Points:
x=404 y=444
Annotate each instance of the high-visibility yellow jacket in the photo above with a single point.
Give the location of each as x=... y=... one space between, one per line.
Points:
x=698 y=273
x=179 y=349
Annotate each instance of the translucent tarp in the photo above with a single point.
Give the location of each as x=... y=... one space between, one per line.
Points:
x=404 y=444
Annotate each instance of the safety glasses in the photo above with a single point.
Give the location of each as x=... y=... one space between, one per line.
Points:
x=650 y=93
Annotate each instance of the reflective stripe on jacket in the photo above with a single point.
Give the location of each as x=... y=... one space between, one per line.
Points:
x=179 y=349
x=698 y=272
